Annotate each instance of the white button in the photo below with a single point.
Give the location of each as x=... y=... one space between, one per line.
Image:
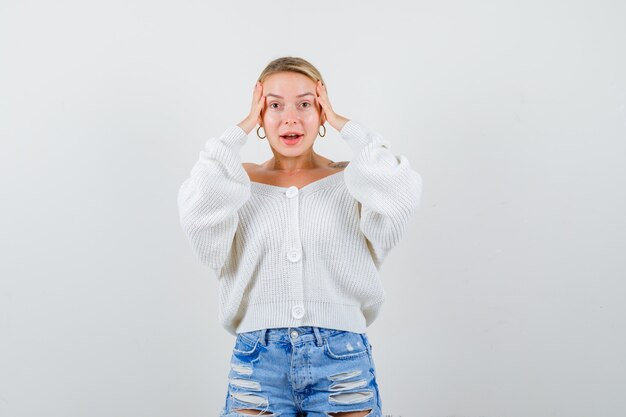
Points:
x=294 y=334
x=292 y=191
x=293 y=255
x=297 y=311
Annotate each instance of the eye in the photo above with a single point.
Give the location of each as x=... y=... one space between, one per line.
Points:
x=306 y=104
x=272 y=105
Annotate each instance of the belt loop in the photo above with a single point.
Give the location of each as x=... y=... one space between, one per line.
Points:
x=318 y=336
x=262 y=337
x=366 y=340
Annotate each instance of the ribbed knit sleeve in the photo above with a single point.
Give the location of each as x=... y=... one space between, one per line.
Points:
x=384 y=184
x=209 y=199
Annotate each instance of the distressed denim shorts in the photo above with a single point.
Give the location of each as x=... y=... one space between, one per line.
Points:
x=301 y=372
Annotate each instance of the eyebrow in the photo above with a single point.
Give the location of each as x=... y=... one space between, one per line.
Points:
x=301 y=95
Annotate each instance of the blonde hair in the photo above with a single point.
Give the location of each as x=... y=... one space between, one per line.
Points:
x=291 y=64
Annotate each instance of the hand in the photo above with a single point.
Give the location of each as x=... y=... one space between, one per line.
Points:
x=258 y=101
x=333 y=118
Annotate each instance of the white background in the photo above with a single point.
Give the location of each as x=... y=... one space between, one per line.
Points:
x=506 y=296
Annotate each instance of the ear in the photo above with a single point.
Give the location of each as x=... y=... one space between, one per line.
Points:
x=323 y=118
x=260 y=120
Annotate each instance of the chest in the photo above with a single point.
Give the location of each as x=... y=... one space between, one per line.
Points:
x=322 y=220
x=298 y=179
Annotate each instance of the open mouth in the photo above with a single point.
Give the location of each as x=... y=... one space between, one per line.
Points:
x=291 y=139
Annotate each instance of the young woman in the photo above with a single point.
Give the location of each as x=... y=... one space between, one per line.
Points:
x=297 y=243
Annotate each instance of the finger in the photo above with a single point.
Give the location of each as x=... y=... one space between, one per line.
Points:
x=260 y=102
x=258 y=88
x=323 y=101
x=323 y=93
x=320 y=91
x=320 y=102
x=260 y=106
x=258 y=91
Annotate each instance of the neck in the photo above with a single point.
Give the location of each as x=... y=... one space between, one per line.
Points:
x=294 y=164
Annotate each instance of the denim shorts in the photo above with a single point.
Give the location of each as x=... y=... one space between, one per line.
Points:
x=301 y=372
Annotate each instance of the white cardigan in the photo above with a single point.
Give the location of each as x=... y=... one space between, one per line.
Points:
x=288 y=256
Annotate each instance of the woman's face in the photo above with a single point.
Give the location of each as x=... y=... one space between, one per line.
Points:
x=291 y=108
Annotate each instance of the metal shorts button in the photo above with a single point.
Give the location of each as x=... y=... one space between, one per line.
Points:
x=293 y=255
x=292 y=191
x=294 y=334
x=297 y=311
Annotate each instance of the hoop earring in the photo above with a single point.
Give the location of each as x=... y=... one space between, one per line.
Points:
x=257 y=133
x=324 y=131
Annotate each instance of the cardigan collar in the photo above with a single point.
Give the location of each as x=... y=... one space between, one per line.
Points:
x=313 y=186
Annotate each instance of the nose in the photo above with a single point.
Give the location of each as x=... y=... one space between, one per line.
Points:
x=290 y=116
